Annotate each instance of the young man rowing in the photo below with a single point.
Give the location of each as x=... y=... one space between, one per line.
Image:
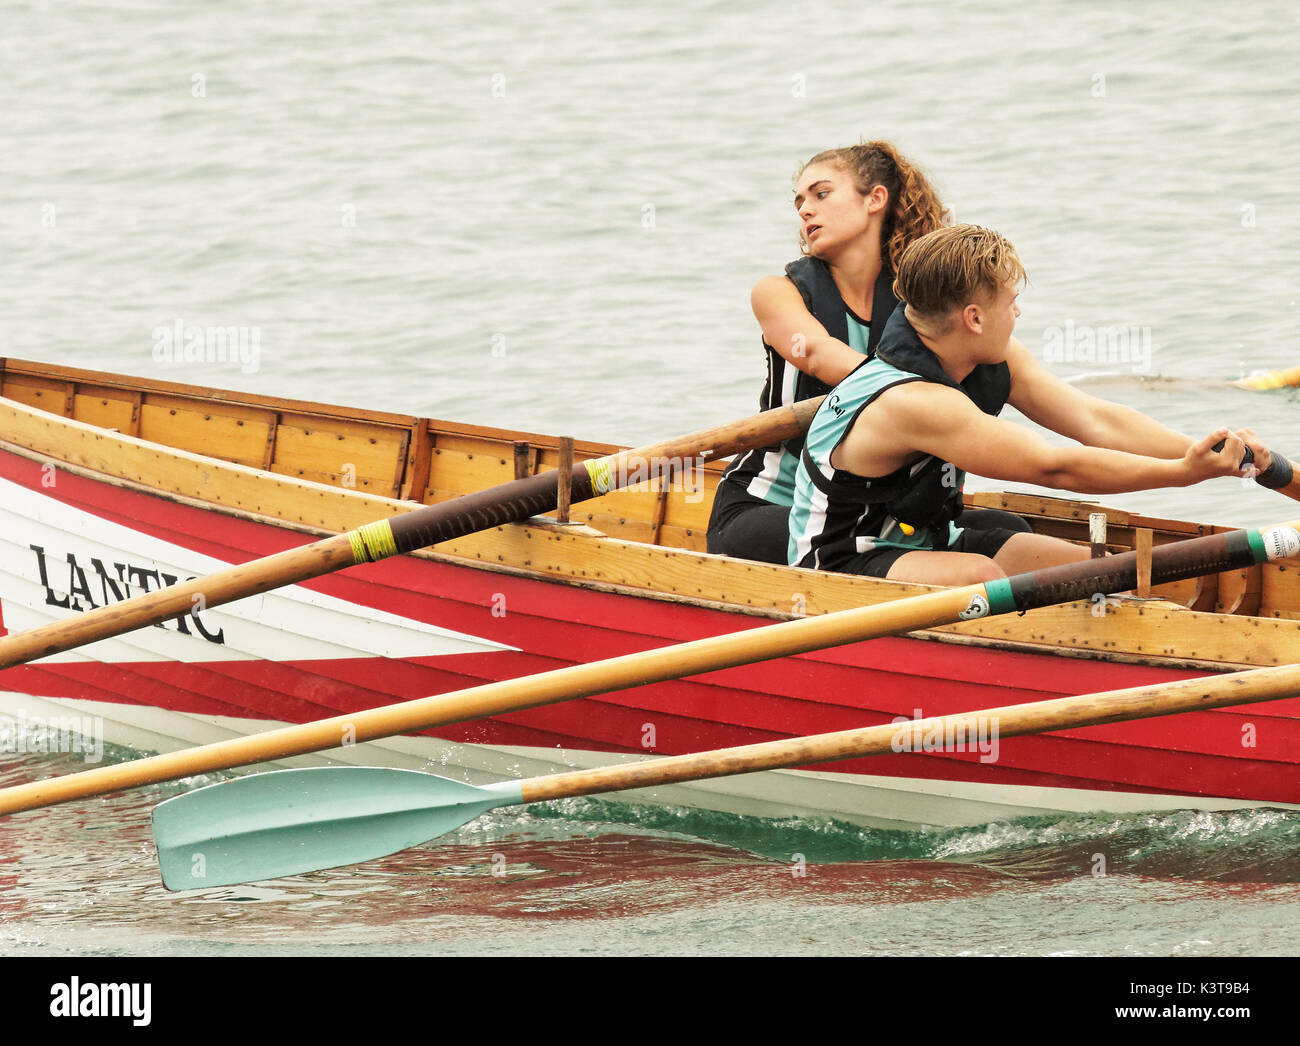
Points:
x=880 y=479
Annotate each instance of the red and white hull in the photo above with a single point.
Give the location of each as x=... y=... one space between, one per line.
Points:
x=415 y=626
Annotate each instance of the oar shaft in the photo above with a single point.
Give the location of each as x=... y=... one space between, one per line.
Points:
x=419 y=528
x=630 y=670
x=971 y=728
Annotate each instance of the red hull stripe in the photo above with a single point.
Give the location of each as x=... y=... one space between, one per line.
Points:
x=863 y=684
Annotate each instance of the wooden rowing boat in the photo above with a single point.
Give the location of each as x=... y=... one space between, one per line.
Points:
x=110 y=485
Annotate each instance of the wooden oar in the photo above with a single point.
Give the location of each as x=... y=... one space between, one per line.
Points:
x=505 y=503
x=1047 y=587
x=293 y=821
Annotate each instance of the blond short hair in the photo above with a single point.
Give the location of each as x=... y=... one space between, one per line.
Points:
x=947 y=269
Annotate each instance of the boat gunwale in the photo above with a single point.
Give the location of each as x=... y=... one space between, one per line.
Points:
x=545 y=525
x=1071 y=513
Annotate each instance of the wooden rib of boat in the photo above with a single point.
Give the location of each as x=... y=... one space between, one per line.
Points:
x=110 y=485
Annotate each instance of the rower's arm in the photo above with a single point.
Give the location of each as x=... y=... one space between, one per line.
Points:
x=797 y=335
x=1043 y=397
x=941 y=421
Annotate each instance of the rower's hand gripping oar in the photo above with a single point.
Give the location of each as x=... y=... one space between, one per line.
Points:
x=292 y=821
x=1279 y=476
x=505 y=503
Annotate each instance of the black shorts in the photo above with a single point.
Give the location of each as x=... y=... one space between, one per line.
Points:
x=978 y=539
x=748 y=527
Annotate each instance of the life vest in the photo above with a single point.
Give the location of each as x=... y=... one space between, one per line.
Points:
x=838 y=514
x=769 y=472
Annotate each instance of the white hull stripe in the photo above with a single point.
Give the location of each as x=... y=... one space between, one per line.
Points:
x=287 y=624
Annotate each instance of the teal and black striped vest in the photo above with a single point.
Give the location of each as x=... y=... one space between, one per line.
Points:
x=769 y=472
x=838 y=514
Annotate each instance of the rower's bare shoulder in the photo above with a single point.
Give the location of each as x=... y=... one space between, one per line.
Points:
x=919 y=404
x=774 y=292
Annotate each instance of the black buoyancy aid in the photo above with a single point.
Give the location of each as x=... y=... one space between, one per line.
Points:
x=812 y=277
x=925 y=495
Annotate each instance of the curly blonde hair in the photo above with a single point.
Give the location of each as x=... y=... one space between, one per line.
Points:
x=914 y=207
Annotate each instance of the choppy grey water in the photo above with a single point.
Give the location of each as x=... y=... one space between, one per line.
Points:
x=549 y=218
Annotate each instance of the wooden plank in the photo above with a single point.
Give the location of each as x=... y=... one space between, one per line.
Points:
x=1143 y=549
x=523 y=459
x=137 y=401
x=455 y=471
x=419 y=451
x=268 y=452
x=239 y=437
x=106 y=411
x=41 y=393
x=485 y=440
x=1032 y=505
x=564 y=480
x=1280 y=589
x=399 y=464
x=1239 y=591
x=690 y=539
x=1035 y=507
x=193 y=476
x=660 y=508
x=1206 y=594
x=625 y=528
x=28 y=371
x=348 y=454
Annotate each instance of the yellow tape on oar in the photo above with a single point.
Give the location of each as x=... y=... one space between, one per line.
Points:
x=602 y=476
x=372 y=542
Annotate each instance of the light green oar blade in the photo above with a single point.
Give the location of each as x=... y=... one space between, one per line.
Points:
x=292 y=821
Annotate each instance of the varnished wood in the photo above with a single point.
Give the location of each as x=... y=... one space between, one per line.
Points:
x=1143 y=549
x=514 y=500
x=565 y=471
x=673 y=521
x=522 y=468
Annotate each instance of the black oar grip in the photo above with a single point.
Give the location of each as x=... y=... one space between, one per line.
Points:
x=1278 y=474
x=1173 y=562
x=469 y=513
x=1249 y=459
